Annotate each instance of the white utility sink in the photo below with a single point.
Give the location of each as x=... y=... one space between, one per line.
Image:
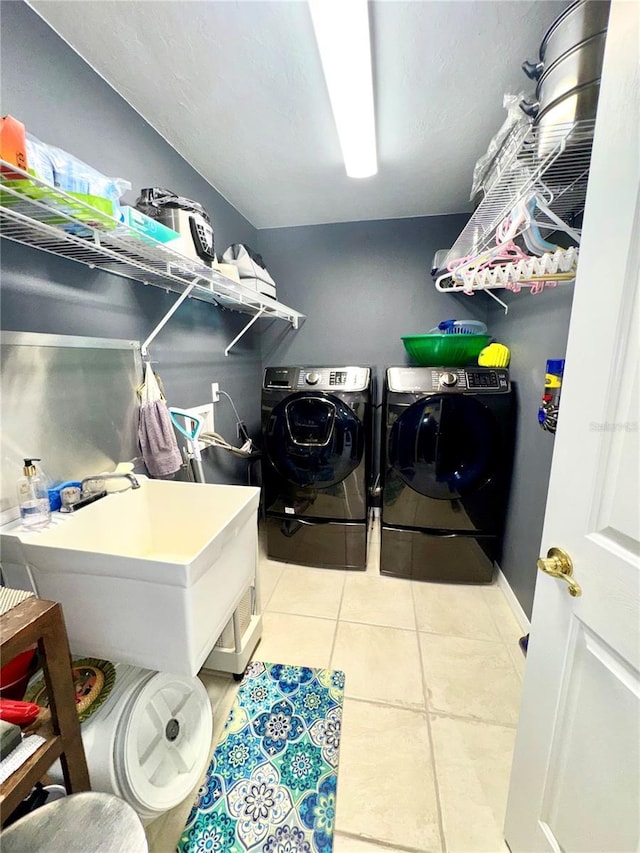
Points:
x=148 y=577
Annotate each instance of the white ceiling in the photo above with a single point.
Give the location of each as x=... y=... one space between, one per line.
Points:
x=237 y=88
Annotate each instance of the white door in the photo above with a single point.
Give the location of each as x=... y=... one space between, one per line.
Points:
x=575 y=784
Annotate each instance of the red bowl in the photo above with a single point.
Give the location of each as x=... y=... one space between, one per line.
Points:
x=15 y=674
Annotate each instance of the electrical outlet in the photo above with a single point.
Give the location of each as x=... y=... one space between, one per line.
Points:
x=215 y=392
x=205 y=413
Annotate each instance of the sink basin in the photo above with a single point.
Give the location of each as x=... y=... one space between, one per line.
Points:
x=148 y=577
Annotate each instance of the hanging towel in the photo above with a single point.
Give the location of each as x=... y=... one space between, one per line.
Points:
x=157 y=439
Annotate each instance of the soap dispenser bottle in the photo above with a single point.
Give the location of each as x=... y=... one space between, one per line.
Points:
x=33 y=499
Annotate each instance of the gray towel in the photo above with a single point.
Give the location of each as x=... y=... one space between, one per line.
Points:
x=158 y=443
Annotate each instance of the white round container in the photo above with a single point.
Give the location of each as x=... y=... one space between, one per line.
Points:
x=150 y=741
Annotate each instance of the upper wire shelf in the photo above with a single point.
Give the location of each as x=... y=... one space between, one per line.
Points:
x=549 y=161
x=37 y=214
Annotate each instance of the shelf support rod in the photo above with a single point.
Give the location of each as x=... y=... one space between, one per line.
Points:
x=144 y=349
x=246 y=329
x=487 y=290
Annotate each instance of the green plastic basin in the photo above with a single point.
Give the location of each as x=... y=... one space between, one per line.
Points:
x=444 y=350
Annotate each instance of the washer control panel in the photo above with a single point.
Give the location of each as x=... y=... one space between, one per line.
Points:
x=449 y=380
x=319 y=378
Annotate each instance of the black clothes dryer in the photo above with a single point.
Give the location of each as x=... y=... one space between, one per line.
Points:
x=447 y=449
x=316 y=429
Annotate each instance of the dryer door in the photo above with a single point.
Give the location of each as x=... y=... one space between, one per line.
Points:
x=314 y=439
x=444 y=447
x=445 y=466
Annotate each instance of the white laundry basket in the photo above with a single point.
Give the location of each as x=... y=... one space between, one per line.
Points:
x=150 y=742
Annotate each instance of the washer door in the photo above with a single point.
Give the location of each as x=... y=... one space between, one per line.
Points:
x=314 y=439
x=445 y=447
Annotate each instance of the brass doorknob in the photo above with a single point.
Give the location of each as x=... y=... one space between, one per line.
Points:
x=558 y=564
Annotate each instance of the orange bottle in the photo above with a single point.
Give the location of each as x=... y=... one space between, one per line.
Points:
x=13 y=145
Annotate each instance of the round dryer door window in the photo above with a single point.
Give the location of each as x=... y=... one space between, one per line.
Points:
x=445 y=446
x=314 y=439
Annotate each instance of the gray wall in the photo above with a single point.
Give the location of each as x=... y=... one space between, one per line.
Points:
x=535 y=329
x=62 y=101
x=362 y=286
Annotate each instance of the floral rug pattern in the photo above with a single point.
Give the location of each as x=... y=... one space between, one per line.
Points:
x=271 y=785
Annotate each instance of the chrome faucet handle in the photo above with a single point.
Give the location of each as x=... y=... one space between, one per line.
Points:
x=100 y=478
x=92 y=484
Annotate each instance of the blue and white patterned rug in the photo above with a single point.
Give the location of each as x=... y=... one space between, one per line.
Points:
x=271 y=786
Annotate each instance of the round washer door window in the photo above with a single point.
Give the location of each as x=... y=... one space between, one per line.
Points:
x=314 y=439
x=444 y=447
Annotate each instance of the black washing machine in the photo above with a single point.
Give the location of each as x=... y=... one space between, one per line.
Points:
x=316 y=428
x=447 y=449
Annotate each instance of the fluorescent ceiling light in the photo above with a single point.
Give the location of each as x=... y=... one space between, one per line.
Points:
x=342 y=33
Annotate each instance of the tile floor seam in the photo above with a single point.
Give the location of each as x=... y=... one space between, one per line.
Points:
x=335 y=631
x=507 y=644
x=265 y=603
x=466 y=719
x=381 y=703
x=385 y=845
x=377 y=625
x=302 y=615
x=498 y=642
x=436 y=784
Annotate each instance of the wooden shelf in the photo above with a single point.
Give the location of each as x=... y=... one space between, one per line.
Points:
x=38 y=621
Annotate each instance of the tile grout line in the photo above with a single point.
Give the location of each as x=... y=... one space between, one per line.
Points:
x=503 y=639
x=498 y=642
x=375 y=842
x=432 y=712
x=445 y=715
x=335 y=633
x=443 y=840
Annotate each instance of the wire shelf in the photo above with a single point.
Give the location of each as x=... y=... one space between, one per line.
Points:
x=551 y=161
x=35 y=213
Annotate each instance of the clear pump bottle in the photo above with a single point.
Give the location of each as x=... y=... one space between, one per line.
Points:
x=33 y=498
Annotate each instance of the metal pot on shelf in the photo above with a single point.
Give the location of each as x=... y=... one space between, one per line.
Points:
x=568 y=90
x=567 y=95
x=577 y=24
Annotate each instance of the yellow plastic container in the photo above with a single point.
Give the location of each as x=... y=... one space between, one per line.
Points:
x=495 y=355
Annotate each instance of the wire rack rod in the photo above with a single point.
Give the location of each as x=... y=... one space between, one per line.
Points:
x=34 y=213
x=552 y=160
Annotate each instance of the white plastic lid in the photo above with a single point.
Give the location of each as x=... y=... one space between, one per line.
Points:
x=163 y=742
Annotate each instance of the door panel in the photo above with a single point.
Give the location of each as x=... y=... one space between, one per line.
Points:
x=592 y=750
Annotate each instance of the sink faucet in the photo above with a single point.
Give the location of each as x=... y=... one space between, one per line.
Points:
x=88 y=496
x=132 y=479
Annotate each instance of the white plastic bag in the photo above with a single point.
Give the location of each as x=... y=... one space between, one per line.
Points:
x=484 y=168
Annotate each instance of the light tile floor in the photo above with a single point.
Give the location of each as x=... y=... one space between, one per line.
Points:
x=433 y=678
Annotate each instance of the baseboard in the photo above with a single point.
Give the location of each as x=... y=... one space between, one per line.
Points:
x=514 y=604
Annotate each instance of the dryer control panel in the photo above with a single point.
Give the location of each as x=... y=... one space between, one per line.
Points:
x=448 y=380
x=319 y=378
